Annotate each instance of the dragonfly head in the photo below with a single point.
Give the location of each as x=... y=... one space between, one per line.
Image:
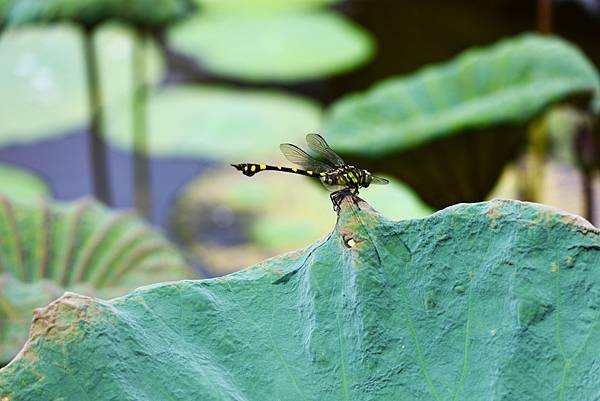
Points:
x=372 y=179
x=368 y=178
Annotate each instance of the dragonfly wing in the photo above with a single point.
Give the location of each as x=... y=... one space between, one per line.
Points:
x=297 y=156
x=379 y=181
x=319 y=146
x=332 y=188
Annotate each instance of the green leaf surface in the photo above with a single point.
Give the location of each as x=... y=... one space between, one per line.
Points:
x=42 y=75
x=270 y=213
x=283 y=47
x=89 y=13
x=468 y=304
x=218 y=123
x=449 y=129
x=260 y=6
x=17 y=183
x=507 y=83
x=47 y=248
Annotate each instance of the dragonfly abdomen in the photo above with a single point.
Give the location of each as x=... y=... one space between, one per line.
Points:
x=250 y=169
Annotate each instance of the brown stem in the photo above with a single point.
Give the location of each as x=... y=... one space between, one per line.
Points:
x=141 y=167
x=587 y=160
x=588 y=195
x=96 y=142
x=544 y=16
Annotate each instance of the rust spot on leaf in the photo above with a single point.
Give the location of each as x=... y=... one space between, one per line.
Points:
x=60 y=319
x=569 y=261
x=494 y=211
x=61 y=315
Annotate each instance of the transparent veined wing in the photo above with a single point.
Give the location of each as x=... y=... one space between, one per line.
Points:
x=297 y=156
x=318 y=145
x=332 y=187
x=379 y=181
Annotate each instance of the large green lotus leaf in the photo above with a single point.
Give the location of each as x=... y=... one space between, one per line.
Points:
x=260 y=6
x=149 y=13
x=279 y=47
x=242 y=221
x=448 y=130
x=42 y=75
x=47 y=248
x=18 y=183
x=218 y=123
x=496 y=301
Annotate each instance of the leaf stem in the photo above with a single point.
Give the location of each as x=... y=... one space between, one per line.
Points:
x=96 y=141
x=544 y=16
x=587 y=160
x=141 y=166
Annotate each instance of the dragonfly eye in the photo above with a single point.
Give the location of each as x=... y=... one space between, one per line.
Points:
x=368 y=178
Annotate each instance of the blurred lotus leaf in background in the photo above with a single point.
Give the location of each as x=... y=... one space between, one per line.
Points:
x=449 y=130
x=229 y=221
x=47 y=248
x=20 y=184
x=89 y=13
x=3 y=13
x=218 y=123
x=261 y=6
x=84 y=12
x=273 y=47
x=42 y=75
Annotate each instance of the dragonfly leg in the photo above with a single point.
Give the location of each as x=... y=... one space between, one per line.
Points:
x=338 y=196
x=355 y=198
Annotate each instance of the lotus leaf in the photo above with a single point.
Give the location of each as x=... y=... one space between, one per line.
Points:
x=260 y=6
x=18 y=183
x=449 y=130
x=90 y=13
x=48 y=247
x=470 y=303
x=284 y=47
x=218 y=123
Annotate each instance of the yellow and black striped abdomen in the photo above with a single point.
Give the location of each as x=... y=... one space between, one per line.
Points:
x=250 y=169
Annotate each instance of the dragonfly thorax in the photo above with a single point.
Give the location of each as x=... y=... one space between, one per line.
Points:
x=347 y=176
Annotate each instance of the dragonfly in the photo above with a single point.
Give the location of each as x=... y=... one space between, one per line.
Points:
x=337 y=176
